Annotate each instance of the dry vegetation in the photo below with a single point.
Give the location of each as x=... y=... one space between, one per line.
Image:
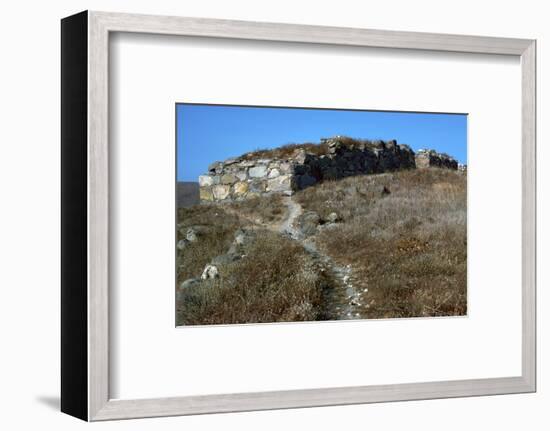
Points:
x=274 y=281
x=261 y=210
x=288 y=150
x=216 y=233
x=404 y=235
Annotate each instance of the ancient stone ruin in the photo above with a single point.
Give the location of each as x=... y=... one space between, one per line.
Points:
x=295 y=167
x=430 y=158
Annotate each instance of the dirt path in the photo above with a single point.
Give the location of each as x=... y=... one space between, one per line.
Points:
x=345 y=300
x=347 y=309
x=287 y=226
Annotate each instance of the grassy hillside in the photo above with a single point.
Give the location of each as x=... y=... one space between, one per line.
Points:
x=404 y=234
x=396 y=241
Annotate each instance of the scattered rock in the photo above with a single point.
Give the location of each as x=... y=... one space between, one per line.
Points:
x=191 y=235
x=243 y=237
x=189 y=283
x=210 y=272
x=308 y=223
x=333 y=217
x=224 y=259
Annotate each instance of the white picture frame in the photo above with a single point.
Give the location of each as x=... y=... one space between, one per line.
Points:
x=85 y=216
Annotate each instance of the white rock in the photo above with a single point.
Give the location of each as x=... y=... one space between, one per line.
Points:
x=210 y=271
x=257 y=171
x=205 y=180
x=332 y=217
x=279 y=184
x=221 y=191
x=191 y=235
x=241 y=175
x=182 y=243
x=274 y=173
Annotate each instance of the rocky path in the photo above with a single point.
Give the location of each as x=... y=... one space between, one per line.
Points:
x=347 y=309
x=346 y=299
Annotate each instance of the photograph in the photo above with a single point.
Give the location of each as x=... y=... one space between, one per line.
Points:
x=303 y=214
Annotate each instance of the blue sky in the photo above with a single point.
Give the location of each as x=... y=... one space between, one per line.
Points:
x=206 y=133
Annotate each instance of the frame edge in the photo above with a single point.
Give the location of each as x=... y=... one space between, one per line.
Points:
x=529 y=245
x=103 y=408
x=74 y=268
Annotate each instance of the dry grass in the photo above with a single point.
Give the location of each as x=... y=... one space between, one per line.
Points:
x=286 y=151
x=404 y=235
x=217 y=231
x=261 y=210
x=276 y=281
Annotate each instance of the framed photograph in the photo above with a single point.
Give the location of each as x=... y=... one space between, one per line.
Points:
x=264 y=216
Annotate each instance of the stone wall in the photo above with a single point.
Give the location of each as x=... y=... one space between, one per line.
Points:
x=430 y=158
x=335 y=158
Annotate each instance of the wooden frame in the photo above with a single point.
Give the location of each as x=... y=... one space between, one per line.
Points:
x=85 y=216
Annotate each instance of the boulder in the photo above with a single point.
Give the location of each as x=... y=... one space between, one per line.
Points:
x=210 y=272
x=189 y=283
x=191 y=235
x=182 y=243
x=333 y=217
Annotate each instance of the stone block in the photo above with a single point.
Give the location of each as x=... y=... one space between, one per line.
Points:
x=240 y=189
x=229 y=179
x=257 y=171
x=274 y=173
x=206 y=180
x=280 y=184
x=205 y=194
x=220 y=191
